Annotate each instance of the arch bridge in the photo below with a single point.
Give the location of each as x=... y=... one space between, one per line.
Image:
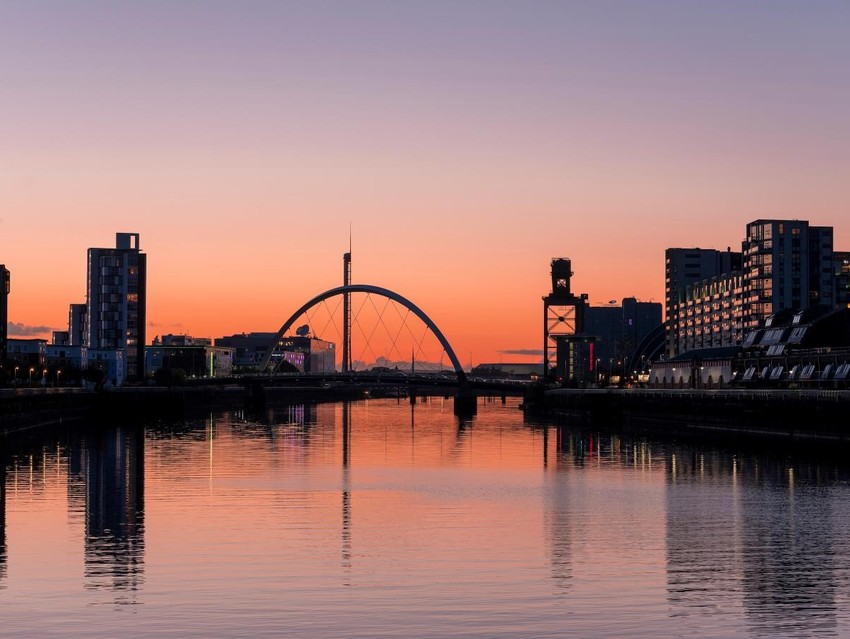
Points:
x=464 y=400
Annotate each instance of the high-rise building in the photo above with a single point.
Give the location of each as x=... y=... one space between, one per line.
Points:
x=787 y=265
x=116 y=300
x=77 y=330
x=684 y=267
x=5 y=281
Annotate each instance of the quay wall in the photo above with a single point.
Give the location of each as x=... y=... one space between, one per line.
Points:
x=26 y=409
x=784 y=413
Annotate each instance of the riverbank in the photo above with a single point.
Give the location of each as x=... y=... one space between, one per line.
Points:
x=26 y=409
x=820 y=414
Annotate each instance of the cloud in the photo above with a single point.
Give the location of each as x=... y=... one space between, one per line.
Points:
x=16 y=329
x=523 y=351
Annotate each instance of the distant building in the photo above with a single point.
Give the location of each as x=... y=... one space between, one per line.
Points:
x=684 y=267
x=248 y=349
x=66 y=358
x=787 y=265
x=181 y=340
x=77 y=325
x=110 y=362
x=60 y=338
x=841 y=261
x=306 y=354
x=711 y=315
x=5 y=282
x=506 y=370
x=319 y=356
x=116 y=302
x=27 y=353
x=196 y=360
x=619 y=330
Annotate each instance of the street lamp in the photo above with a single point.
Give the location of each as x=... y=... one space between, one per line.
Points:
x=16 y=375
x=58 y=373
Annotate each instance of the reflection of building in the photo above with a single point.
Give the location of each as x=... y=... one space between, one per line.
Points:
x=563 y=330
x=755 y=532
x=5 y=281
x=703 y=542
x=3 y=556
x=559 y=519
x=789 y=562
x=110 y=465
x=116 y=302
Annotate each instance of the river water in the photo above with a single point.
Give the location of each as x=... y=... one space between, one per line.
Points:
x=382 y=519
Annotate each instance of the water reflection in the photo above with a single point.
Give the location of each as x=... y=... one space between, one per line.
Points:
x=308 y=517
x=559 y=521
x=107 y=470
x=762 y=534
x=2 y=521
x=346 y=492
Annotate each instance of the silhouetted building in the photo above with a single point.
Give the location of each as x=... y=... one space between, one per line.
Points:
x=619 y=330
x=27 y=352
x=77 y=326
x=66 y=360
x=5 y=286
x=841 y=261
x=248 y=349
x=684 y=267
x=116 y=302
x=195 y=356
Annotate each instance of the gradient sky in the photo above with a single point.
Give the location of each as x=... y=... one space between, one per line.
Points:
x=466 y=143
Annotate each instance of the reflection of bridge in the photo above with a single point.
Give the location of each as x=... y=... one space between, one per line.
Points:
x=464 y=398
x=424 y=384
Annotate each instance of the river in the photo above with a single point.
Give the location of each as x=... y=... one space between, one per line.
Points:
x=382 y=519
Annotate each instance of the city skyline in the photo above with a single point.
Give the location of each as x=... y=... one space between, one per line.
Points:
x=464 y=146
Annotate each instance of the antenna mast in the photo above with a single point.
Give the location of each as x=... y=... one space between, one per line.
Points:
x=346 y=308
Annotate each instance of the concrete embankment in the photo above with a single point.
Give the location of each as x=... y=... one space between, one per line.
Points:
x=785 y=413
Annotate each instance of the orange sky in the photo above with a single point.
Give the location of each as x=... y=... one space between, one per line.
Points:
x=465 y=145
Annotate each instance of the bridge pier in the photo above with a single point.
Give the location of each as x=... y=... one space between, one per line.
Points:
x=466 y=403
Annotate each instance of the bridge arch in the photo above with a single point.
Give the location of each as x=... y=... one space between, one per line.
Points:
x=375 y=290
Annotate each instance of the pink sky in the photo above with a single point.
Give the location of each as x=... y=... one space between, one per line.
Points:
x=466 y=144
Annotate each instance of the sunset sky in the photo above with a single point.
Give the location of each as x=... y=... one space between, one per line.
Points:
x=464 y=144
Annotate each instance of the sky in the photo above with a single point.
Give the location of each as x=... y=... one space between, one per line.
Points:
x=462 y=145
